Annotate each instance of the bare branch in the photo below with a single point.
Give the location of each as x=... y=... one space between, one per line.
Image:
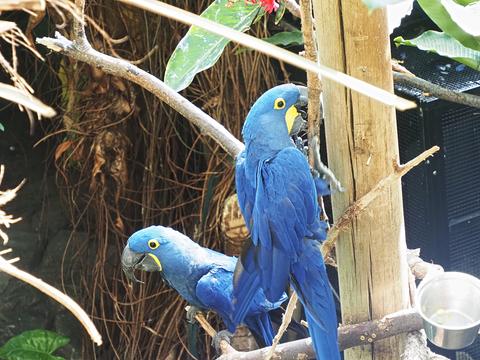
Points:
x=126 y=70
x=348 y=336
x=361 y=204
x=287 y=318
x=437 y=90
x=35 y=5
x=55 y=294
x=293 y=7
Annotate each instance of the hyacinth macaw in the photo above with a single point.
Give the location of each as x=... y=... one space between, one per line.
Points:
x=278 y=198
x=203 y=277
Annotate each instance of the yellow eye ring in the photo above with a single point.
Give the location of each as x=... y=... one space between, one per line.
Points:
x=279 y=104
x=153 y=244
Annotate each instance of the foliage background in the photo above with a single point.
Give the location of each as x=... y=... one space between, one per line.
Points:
x=125 y=160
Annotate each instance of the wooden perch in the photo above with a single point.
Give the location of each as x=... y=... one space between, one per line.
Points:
x=361 y=204
x=405 y=321
x=348 y=336
x=55 y=294
x=436 y=90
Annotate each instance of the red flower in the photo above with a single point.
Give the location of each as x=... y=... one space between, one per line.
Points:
x=268 y=5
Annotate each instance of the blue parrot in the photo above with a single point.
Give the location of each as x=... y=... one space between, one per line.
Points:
x=278 y=198
x=203 y=277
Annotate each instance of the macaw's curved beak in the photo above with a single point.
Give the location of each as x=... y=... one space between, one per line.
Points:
x=297 y=114
x=132 y=260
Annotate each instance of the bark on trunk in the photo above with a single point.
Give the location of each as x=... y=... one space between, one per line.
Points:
x=362 y=142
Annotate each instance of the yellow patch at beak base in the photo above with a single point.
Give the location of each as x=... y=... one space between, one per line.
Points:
x=290 y=116
x=156 y=261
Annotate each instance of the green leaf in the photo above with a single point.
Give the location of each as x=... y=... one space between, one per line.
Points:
x=2 y=128
x=280 y=12
x=466 y=17
x=374 y=4
x=437 y=12
x=33 y=345
x=465 y=2
x=444 y=45
x=286 y=38
x=200 y=49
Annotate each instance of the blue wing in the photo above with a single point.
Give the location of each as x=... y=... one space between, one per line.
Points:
x=214 y=290
x=281 y=209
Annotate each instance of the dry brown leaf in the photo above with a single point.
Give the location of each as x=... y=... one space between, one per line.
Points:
x=61 y=148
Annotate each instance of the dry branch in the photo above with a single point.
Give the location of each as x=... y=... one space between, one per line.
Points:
x=348 y=336
x=361 y=204
x=287 y=318
x=405 y=321
x=35 y=5
x=55 y=294
x=121 y=68
x=293 y=7
x=436 y=90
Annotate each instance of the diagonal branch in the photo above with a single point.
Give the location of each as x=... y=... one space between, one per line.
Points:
x=437 y=90
x=361 y=204
x=126 y=70
x=55 y=294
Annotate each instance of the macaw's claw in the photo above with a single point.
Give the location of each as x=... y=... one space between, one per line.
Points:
x=217 y=339
x=192 y=311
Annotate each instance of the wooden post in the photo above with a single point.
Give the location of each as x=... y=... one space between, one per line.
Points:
x=362 y=143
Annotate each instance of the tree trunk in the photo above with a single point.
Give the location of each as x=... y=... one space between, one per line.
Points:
x=362 y=143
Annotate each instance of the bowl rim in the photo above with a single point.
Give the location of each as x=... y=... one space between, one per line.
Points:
x=444 y=276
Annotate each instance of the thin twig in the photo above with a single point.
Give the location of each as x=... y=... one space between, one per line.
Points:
x=287 y=318
x=264 y=47
x=436 y=90
x=55 y=294
x=361 y=204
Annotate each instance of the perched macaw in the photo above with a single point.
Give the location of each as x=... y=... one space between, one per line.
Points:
x=278 y=199
x=203 y=277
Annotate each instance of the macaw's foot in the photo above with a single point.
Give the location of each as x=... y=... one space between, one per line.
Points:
x=217 y=339
x=192 y=311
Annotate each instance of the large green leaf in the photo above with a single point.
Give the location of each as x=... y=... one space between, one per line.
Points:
x=200 y=49
x=444 y=45
x=437 y=12
x=286 y=38
x=33 y=345
x=466 y=17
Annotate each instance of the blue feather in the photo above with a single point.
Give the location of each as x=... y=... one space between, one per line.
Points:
x=278 y=198
x=204 y=278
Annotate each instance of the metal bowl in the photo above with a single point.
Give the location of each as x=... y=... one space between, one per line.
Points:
x=449 y=304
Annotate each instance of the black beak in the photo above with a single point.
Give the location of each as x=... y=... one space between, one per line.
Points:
x=300 y=122
x=132 y=261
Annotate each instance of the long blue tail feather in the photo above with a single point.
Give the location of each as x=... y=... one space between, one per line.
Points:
x=261 y=327
x=310 y=281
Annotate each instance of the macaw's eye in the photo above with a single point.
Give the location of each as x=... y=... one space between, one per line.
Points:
x=279 y=104
x=153 y=244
